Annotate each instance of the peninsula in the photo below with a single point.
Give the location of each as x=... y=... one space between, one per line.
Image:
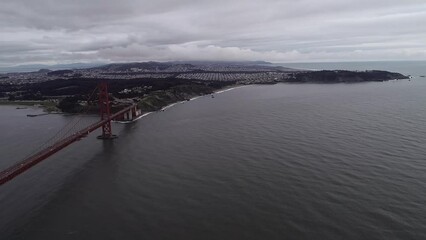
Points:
x=154 y=85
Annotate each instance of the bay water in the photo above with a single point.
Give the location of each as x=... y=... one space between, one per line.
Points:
x=284 y=161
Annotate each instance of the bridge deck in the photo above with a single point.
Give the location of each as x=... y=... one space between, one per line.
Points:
x=13 y=171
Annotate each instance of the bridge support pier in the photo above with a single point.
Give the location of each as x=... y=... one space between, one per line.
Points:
x=105 y=112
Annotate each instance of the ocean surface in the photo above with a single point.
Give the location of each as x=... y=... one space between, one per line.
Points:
x=285 y=161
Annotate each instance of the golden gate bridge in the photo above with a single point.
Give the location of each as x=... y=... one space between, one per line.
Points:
x=127 y=113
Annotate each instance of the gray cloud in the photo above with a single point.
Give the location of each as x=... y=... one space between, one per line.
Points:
x=59 y=31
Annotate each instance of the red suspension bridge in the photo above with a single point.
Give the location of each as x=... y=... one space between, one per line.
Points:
x=127 y=113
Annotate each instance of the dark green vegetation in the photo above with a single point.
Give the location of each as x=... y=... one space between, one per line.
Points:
x=59 y=72
x=345 y=76
x=158 y=99
x=70 y=104
x=150 y=94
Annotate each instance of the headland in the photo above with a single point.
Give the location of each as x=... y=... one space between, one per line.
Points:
x=154 y=85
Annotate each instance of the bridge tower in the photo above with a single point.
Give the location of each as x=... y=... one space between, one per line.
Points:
x=105 y=111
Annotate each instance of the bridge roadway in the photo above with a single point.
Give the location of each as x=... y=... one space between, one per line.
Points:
x=13 y=171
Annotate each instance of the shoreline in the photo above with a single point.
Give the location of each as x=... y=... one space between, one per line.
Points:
x=50 y=107
x=45 y=105
x=191 y=99
x=24 y=103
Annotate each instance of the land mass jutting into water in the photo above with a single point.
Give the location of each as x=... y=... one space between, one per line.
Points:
x=154 y=85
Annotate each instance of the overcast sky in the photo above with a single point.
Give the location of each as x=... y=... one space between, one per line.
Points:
x=66 y=31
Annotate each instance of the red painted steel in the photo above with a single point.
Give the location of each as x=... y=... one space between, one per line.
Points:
x=15 y=170
x=104 y=110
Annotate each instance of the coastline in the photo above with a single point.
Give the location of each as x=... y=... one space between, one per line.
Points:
x=47 y=106
x=25 y=103
x=50 y=107
x=163 y=99
x=226 y=89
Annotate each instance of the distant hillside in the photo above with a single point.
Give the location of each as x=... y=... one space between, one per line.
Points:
x=224 y=62
x=37 y=67
x=338 y=76
x=172 y=66
x=59 y=72
x=146 y=66
x=191 y=66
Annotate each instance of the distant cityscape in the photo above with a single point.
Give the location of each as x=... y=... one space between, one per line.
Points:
x=242 y=73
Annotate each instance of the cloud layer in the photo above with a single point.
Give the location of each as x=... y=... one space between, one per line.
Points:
x=62 y=31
